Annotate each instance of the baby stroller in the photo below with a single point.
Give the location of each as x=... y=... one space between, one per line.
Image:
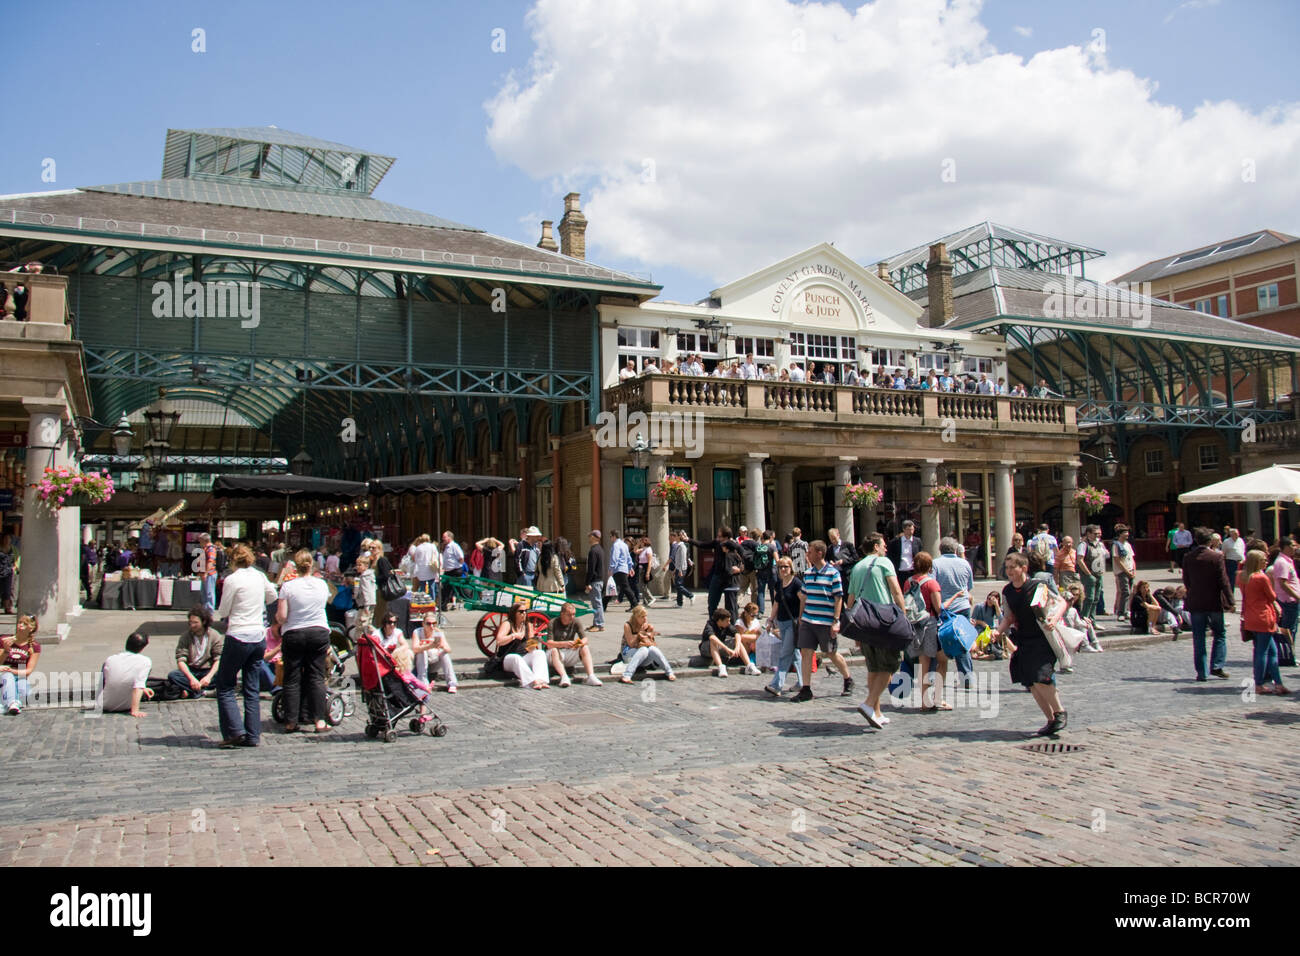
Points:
x=391 y=696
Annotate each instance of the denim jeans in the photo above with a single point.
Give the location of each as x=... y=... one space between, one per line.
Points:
x=596 y=594
x=13 y=690
x=1219 y=652
x=210 y=591
x=760 y=592
x=178 y=678
x=242 y=659
x=716 y=585
x=1290 y=612
x=1266 y=670
x=1123 y=583
x=634 y=657
x=1094 y=596
x=786 y=656
x=680 y=588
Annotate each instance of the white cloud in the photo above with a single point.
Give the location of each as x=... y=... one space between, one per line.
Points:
x=773 y=126
x=1190 y=5
x=1024 y=31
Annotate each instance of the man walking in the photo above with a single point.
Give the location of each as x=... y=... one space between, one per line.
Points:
x=875 y=579
x=819 y=619
x=1045 y=543
x=956 y=582
x=620 y=565
x=764 y=562
x=526 y=556
x=679 y=563
x=1208 y=595
x=901 y=551
x=1125 y=565
x=597 y=572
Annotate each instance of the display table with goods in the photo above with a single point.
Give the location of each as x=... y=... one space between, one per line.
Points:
x=142 y=591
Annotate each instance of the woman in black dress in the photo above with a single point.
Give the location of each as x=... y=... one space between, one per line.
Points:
x=1033 y=662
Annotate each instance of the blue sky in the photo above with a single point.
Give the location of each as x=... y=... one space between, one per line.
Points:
x=413 y=80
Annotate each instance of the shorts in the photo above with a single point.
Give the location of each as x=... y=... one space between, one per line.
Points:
x=816 y=636
x=569 y=656
x=883 y=660
x=930 y=639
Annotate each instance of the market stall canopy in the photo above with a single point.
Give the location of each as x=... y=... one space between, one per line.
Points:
x=441 y=482
x=278 y=486
x=1274 y=483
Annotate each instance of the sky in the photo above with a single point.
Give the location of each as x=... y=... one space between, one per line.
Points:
x=709 y=139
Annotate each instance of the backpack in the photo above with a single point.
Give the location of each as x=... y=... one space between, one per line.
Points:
x=525 y=560
x=733 y=563
x=221 y=560
x=747 y=548
x=914 y=603
x=762 y=557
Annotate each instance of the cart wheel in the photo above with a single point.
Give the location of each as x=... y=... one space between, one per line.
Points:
x=486 y=632
x=390 y=736
x=337 y=710
x=372 y=731
x=277 y=708
x=439 y=730
x=540 y=622
x=415 y=726
x=349 y=706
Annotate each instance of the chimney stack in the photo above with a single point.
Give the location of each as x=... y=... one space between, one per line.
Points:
x=548 y=240
x=882 y=271
x=573 y=228
x=938 y=277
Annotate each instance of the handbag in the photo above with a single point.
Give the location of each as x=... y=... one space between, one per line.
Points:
x=392 y=588
x=957 y=634
x=880 y=625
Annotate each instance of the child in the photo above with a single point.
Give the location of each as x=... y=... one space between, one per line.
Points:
x=1074 y=594
x=363 y=594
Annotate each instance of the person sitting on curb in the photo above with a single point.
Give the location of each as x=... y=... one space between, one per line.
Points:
x=18 y=657
x=719 y=637
x=639 y=646
x=429 y=645
x=197 y=653
x=567 y=647
x=126 y=676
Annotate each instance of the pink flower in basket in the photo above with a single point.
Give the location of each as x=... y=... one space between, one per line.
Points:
x=944 y=495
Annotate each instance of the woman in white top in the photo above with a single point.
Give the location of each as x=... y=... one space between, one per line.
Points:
x=430 y=646
x=244 y=596
x=305 y=642
x=645 y=561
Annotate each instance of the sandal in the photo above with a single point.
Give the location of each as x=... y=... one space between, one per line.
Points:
x=944 y=705
x=672 y=677
x=625 y=680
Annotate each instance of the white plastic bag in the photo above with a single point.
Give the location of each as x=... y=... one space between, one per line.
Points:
x=768 y=649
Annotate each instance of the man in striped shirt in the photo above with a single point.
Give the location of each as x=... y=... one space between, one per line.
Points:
x=819 y=618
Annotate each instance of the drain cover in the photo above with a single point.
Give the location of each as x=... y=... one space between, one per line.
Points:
x=1053 y=747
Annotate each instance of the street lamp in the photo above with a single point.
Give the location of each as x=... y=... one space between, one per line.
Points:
x=641 y=452
x=301 y=463
x=162 y=419
x=122 y=437
x=1109 y=463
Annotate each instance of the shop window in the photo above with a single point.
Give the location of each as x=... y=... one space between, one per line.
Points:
x=1209 y=455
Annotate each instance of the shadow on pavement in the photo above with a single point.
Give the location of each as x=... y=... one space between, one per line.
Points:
x=1274 y=718
x=991 y=735
x=179 y=740
x=818 y=728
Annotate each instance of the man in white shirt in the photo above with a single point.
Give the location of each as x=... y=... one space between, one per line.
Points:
x=902 y=550
x=649 y=367
x=697 y=365
x=1234 y=553
x=796 y=373
x=453 y=564
x=627 y=371
x=1125 y=566
x=749 y=369
x=985 y=387
x=125 y=678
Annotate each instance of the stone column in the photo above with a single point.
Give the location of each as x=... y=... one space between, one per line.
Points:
x=931 y=531
x=784 y=500
x=657 y=515
x=611 y=499
x=1070 y=521
x=1004 y=495
x=868 y=517
x=1254 y=518
x=755 y=506
x=43 y=585
x=843 y=513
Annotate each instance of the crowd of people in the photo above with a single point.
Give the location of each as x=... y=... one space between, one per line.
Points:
x=828 y=373
x=797 y=594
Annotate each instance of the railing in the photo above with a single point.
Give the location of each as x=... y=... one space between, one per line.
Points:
x=42 y=298
x=773 y=401
x=1278 y=433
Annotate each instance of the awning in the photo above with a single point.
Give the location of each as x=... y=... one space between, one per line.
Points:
x=1274 y=483
x=278 y=486
x=441 y=482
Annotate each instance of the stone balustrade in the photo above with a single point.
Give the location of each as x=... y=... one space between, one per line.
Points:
x=759 y=400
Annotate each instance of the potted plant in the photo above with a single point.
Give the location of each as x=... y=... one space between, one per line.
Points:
x=674 y=490
x=63 y=486
x=863 y=494
x=945 y=495
x=1091 y=500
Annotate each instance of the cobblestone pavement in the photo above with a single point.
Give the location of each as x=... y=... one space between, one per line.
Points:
x=701 y=770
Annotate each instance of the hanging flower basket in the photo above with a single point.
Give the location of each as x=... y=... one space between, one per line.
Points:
x=63 y=487
x=674 y=490
x=1091 y=500
x=862 y=495
x=945 y=495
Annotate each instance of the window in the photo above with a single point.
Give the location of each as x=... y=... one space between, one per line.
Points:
x=762 y=348
x=1202 y=305
x=1056 y=474
x=1223 y=306
x=1209 y=457
x=977 y=365
x=839 y=351
x=890 y=358
x=1155 y=460
x=639 y=345
x=1266 y=296
x=697 y=343
x=931 y=361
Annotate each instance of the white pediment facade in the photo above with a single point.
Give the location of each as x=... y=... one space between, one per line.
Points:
x=823 y=288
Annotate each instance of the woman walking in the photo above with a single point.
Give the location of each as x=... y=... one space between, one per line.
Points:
x=304 y=643
x=785 y=614
x=1259 y=617
x=645 y=565
x=244 y=597
x=1033 y=662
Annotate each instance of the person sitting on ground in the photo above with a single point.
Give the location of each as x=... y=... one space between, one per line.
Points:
x=126 y=678
x=749 y=628
x=197 y=654
x=1074 y=618
x=720 y=637
x=567 y=647
x=1168 y=616
x=1143 y=610
x=988 y=613
x=639 y=646
x=1179 y=607
x=429 y=646
x=520 y=651
x=18 y=657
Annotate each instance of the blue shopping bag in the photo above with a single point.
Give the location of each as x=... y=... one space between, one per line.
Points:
x=957 y=634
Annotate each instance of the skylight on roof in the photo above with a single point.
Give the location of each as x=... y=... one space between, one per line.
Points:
x=1193 y=255
x=1238 y=244
x=1214 y=250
